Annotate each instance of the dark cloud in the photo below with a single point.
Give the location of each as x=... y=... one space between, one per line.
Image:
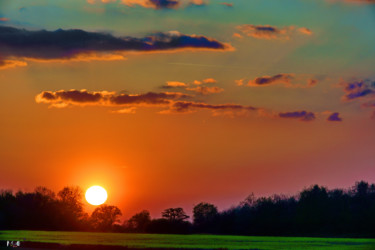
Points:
x=184 y=107
x=357 y=89
x=160 y=4
x=64 y=98
x=268 y=80
x=334 y=117
x=301 y=115
x=154 y=4
x=148 y=98
x=172 y=102
x=68 y=44
x=270 y=32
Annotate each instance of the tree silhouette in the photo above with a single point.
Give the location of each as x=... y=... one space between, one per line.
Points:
x=138 y=222
x=104 y=217
x=175 y=214
x=71 y=207
x=204 y=215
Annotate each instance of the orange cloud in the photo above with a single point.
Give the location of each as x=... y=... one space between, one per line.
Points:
x=176 y=84
x=4 y=19
x=209 y=80
x=6 y=64
x=227 y=4
x=206 y=90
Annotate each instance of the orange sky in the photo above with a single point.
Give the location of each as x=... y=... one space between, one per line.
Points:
x=289 y=102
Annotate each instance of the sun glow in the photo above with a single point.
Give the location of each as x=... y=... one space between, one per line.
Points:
x=96 y=195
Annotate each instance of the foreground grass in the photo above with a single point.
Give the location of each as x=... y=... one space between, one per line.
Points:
x=187 y=241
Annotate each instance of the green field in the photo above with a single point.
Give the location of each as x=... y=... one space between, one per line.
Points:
x=187 y=241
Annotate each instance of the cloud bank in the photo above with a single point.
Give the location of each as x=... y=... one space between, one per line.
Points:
x=80 y=45
x=171 y=102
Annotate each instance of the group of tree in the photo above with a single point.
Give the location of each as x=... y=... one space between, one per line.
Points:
x=44 y=210
x=316 y=211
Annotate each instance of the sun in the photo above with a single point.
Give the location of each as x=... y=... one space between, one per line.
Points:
x=96 y=195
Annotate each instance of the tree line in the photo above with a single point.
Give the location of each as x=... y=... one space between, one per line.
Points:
x=315 y=211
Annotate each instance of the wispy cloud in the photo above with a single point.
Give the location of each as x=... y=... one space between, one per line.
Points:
x=300 y=115
x=197 y=86
x=270 y=32
x=204 y=90
x=269 y=80
x=288 y=80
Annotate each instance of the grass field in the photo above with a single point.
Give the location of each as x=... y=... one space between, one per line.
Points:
x=187 y=241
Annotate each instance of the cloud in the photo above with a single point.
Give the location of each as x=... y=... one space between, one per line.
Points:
x=174 y=102
x=312 y=82
x=207 y=81
x=6 y=64
x=334 y=117
x=131 y=110
x=188 y=107
x=80 y=45
x=227 y=4
x=300 y=115
x=173 y=84
x=353 y=1
x=305 y=31
x=357 y=89
x=270 y=32
x=83 y=97
x=206 y=90
x=239 y=82
x=154 y=4
x=4 y=19
x=369 y=104
x=288 y=80
x=270 y=80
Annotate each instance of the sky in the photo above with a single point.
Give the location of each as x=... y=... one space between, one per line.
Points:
x=168 y=103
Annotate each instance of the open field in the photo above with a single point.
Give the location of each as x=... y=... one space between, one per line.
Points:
x=186 y=241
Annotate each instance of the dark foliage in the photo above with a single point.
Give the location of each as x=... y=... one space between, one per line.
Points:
x=43 y=210
x=316 y=211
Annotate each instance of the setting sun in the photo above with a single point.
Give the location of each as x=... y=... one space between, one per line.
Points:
x=96 y=195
